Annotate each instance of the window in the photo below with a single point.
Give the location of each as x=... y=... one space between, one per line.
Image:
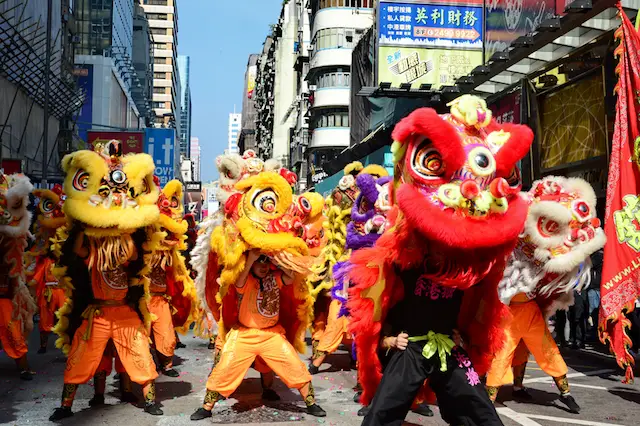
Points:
x=160 y=46
x=157 y=16
x=160 y=61
x=334 y=38
x=333 y=79
x=345 y=3
x=160 y=90
x=331 y=118
x=156 y=2
x=160 y=75
x=161 y=105
x=159 y=31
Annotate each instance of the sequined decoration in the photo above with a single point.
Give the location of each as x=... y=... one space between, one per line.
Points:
x=150 y=396
x=310 y=399
x=562 y=383
x=211 y=397
x=68 y=394
x=492 y=391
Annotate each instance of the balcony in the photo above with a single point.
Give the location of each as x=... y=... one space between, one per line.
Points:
x=331 y=96
x=327 y=137
x=331 y=58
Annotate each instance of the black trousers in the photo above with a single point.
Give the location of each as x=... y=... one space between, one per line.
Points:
x=578 y=315
x=460 y=402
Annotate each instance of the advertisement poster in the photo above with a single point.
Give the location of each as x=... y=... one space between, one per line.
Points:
x=507 y=108
x=193 y=199
x=509 y=19
x=430 y=25
x=251 y=80
x=85 y=83
x=161 y=145
x=132 y=142
x=399 y=65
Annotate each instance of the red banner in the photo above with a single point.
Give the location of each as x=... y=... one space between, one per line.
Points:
x=132 y=142
x=11 y=166
x=620 y=285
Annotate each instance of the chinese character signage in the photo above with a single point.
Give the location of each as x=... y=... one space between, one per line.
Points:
x=438 y=67
x=131 y=141
x=508 y=19
x=430 y=25
x=507 y=108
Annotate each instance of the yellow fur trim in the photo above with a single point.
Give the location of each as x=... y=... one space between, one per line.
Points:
x=353 y=168
x=173 y=226
x=375 y=169
x=317 y=203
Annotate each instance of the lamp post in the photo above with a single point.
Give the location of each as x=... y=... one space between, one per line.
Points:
x=47 y=76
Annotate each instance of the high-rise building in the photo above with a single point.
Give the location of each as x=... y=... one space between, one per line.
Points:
x=195 y=158
x=163 y=21
x=247 y=139
x=142 y=55
x=234 y=131
x=185 y=106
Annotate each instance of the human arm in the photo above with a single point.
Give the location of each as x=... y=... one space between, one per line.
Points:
x=398 y=342
x=252 y=256
x=79 y=247
x=287 y=276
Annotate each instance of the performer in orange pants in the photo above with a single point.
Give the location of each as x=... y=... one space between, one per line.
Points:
x=528 y=327
x=50 y=298
x=162 y=331
x=258 y=334
x=334 y=334
x=104 y=371
x=11 y=337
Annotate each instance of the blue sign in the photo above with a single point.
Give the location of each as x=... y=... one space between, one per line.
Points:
x=161 y=145
x=85 y=83
x=430 y=25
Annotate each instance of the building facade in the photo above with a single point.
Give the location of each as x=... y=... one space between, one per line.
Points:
x=195 y=158
x=142 y=56
x=247 y=139
x=234 y=132
x=264 y=100
x=163 y=21
x=184 y=63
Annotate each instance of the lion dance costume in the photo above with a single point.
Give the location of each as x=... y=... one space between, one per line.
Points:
x=173 y=299
x=16 y=305
x=329 y=328
x=433 y=275
x=261 y=316
x=111 y=199
x=49 y=296
x=550 y=261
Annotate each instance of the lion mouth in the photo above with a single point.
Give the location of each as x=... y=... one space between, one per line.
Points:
x=117 y=200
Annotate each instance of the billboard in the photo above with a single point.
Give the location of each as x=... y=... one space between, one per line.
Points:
x=507 y=108
x=85 y=83
x=161 y=145
x=508 y=19
x=193 y=199
x=132 y=142
x=10 y=166
x=430 y=25
x=438 y=67
x=251 y=80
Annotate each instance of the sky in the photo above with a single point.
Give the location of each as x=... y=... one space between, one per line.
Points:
x=219 y=36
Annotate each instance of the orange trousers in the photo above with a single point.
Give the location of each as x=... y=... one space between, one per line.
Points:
x=243 y=346
x=11 y=337
x=106 y=364
x=162 y=330
x=122 y=325
x=50 y=301
x=528 y=327
x=335 y=331
x=259 y=365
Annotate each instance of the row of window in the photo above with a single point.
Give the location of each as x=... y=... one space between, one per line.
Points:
x=157 y=16
x=161 y=61
x=331 y=118
x=160 y=90
x=345 y=3
x=334 y=79
x=334 y=38
x=160 y=31
x=156 y=2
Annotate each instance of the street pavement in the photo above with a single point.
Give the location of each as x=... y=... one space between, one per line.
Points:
x=594 y=378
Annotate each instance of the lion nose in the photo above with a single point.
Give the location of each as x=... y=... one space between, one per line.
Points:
x=469 y=189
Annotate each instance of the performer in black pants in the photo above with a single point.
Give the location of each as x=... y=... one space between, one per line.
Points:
x=428 y=315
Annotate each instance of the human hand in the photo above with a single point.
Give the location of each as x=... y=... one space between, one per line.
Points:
x=253 y=255
x=402 y=341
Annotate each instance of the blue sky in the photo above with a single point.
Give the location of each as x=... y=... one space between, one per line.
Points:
x=219 y=36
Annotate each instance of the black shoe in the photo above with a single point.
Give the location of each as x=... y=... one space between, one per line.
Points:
x=356 y=397
x=423 y=410
x=316 y=411
x=270 y=395
x=211 y=346
x=171 y=373
x=96 y=400
x=201 y=414
x=42 y=350
x=61 y=413
x=313 y=369
x=522 y=395
x=152 y=408
x=128 y=397
x=180 y=345
x=26 y=375
x=571 y=403
x=363 y=411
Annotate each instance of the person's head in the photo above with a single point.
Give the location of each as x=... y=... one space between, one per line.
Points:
x=261 y=266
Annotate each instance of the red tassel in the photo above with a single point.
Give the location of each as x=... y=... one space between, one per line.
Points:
x=628 y=377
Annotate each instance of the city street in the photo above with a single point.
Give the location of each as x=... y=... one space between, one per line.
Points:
x=594 y=379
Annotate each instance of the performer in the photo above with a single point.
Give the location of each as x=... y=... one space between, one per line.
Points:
x=50 y=297
x=330 y=329
x=264 y=310
x=110 y=200
x=434 y=273
x=16 y=305
x=173 y=299
x=550 y=261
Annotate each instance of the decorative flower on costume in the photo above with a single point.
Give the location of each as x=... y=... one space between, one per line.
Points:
x=456 y=183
